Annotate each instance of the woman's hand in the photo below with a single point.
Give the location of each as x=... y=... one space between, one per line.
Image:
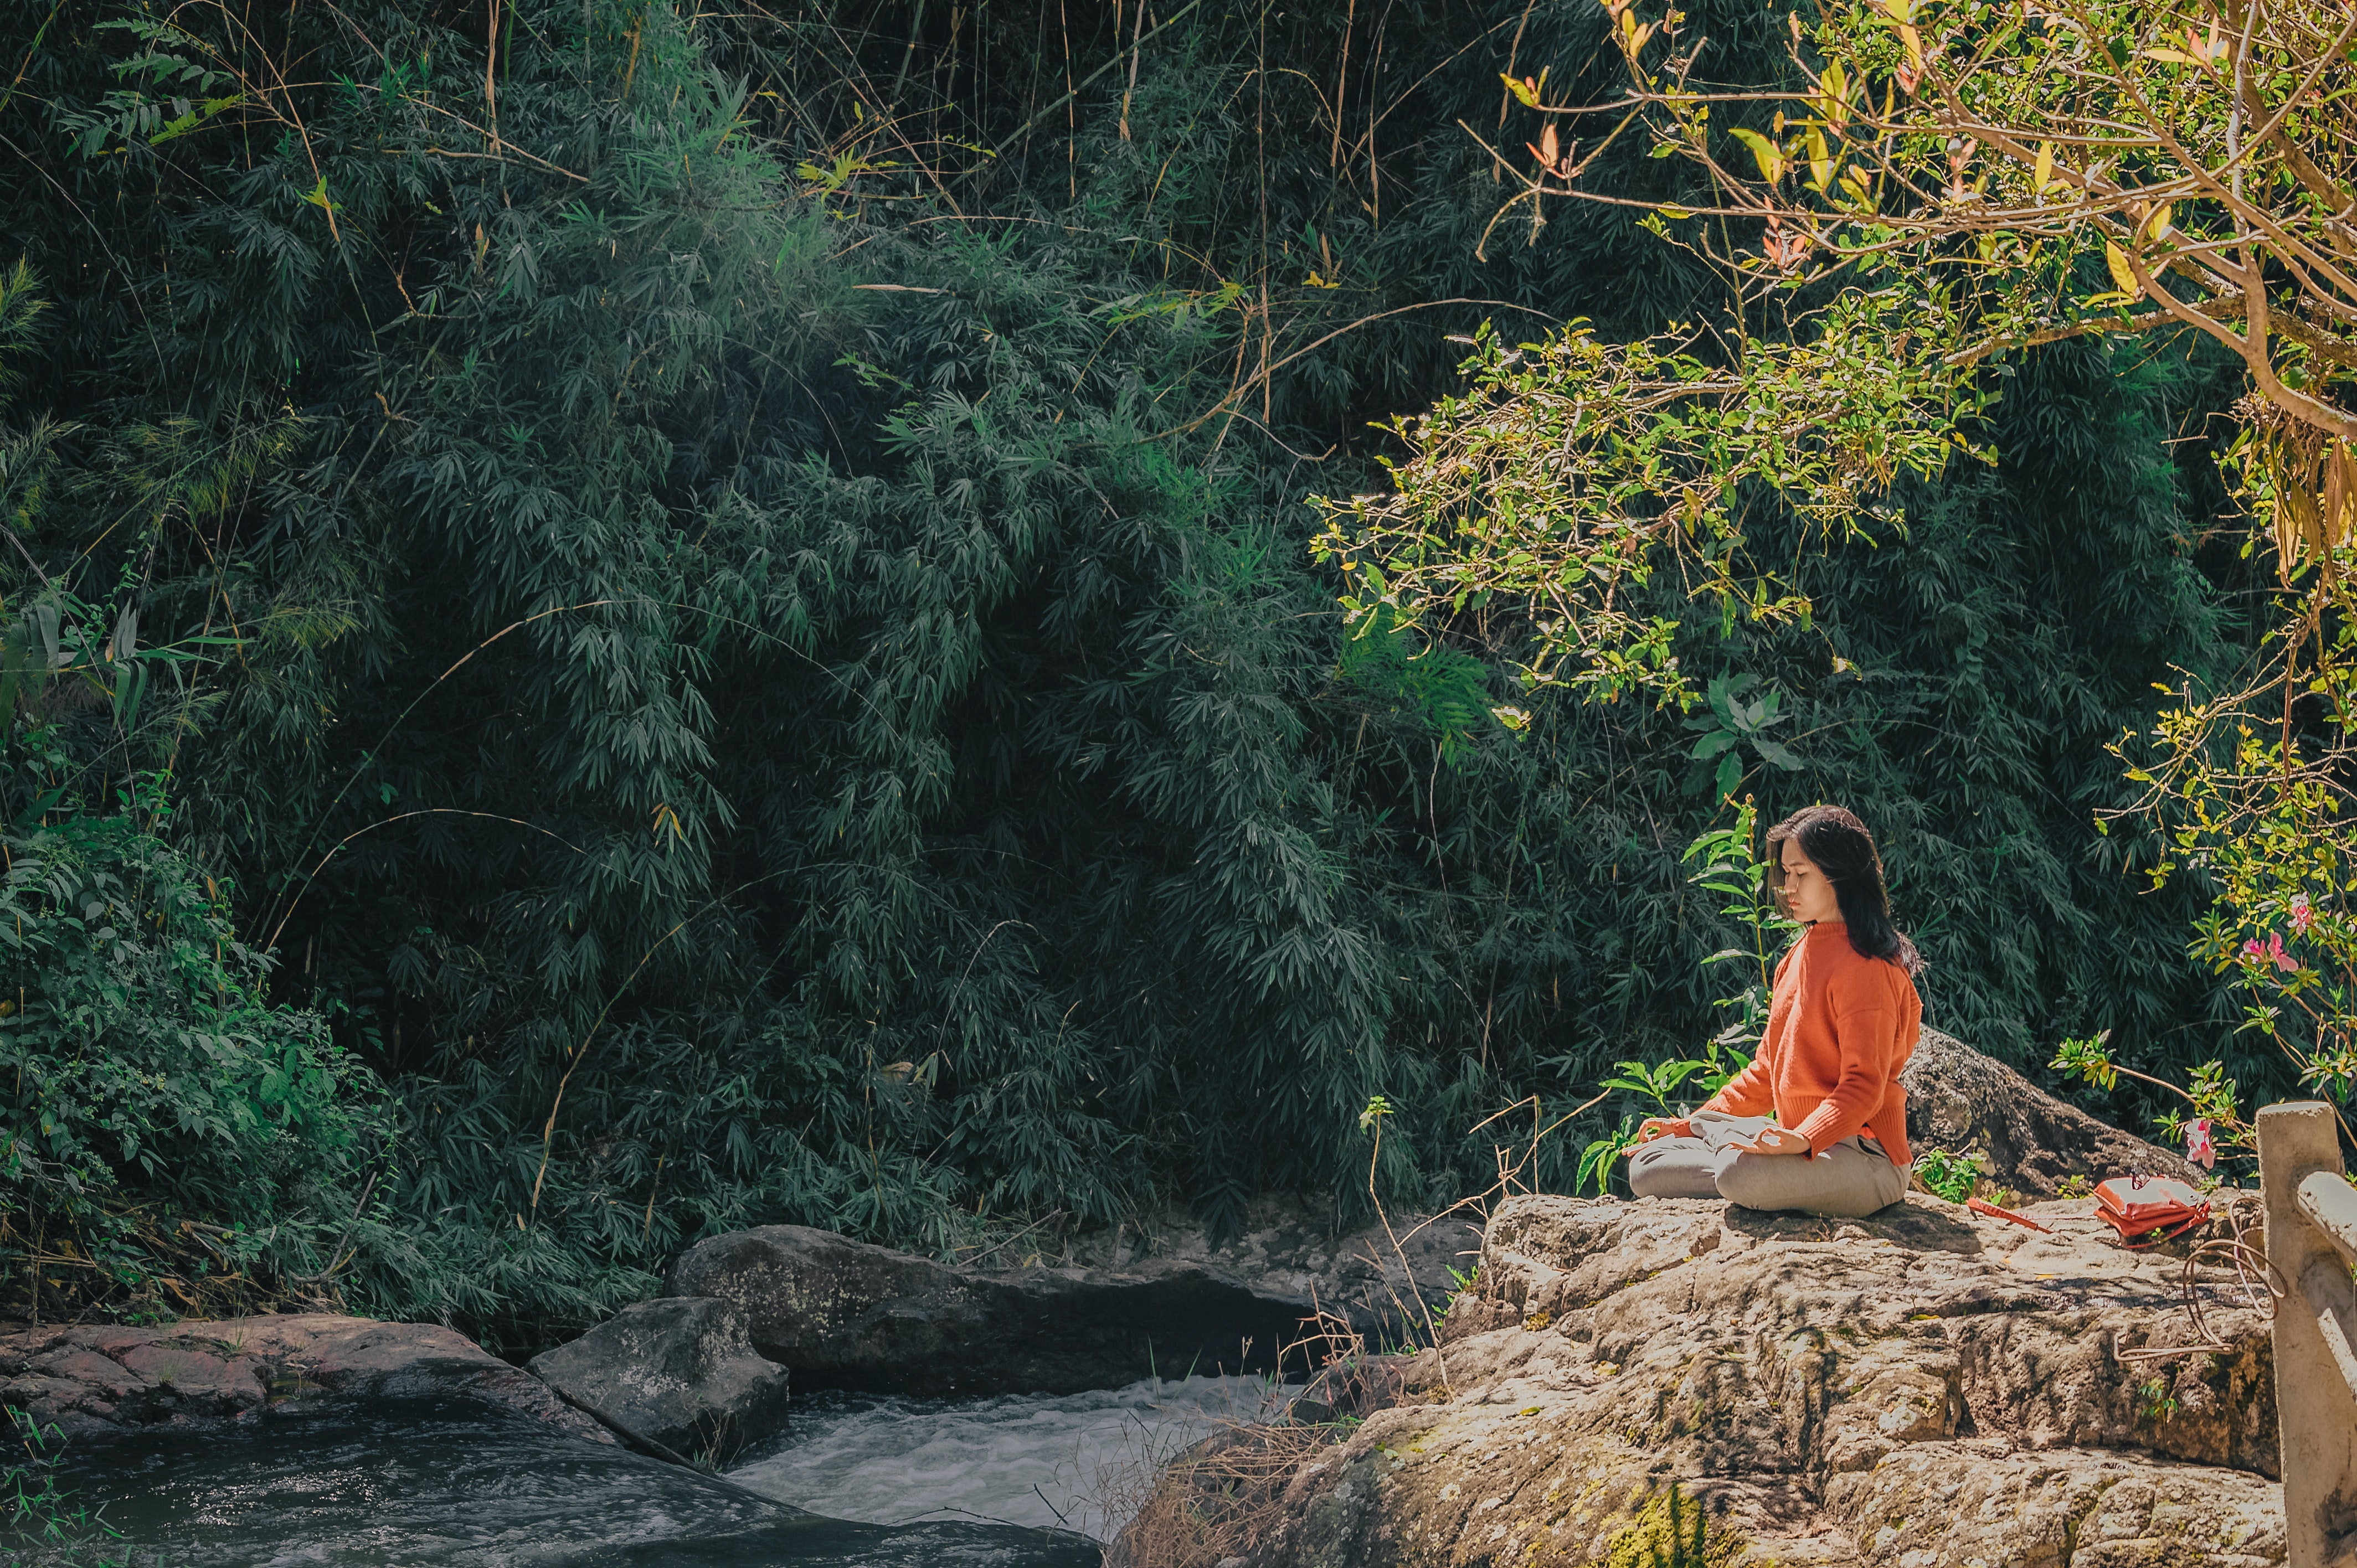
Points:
x=1653 y=1127
x=1775 y=1141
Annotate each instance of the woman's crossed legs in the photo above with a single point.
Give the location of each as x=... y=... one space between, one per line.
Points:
x=1853 y=1178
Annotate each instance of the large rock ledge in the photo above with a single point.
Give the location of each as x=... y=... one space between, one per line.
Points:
x=1926 y=1388
x=842 y=1314
x=104 y=1381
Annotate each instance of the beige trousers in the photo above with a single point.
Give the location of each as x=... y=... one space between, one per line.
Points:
x=1854 y=1177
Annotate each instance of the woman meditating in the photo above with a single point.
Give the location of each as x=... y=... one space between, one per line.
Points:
x=1842 y=1022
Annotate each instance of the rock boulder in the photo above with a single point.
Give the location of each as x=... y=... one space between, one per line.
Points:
x=1924 y=1389
x=1374 y=1277
x=1960 y=1100
x=678 y=1372
x=842 y=1314
x=97 y=1381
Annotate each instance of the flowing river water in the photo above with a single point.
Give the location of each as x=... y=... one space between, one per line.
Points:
x=861 y=1482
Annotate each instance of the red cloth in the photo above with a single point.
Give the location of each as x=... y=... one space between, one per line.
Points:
x=1840 y=1025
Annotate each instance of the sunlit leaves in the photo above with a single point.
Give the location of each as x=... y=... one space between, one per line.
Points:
x=1573 y=466
x=2169 y=145
x=1766 y=155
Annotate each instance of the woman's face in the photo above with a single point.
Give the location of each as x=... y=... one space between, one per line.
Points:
x=1808 y=897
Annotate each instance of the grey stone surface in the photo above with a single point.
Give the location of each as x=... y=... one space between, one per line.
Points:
x=844 y=1313
x=99 y=1382
x=1378 y=1278
x=678 y=1370
x=1958 y=1099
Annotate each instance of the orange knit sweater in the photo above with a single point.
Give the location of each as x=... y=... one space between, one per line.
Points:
x=1840 y=1025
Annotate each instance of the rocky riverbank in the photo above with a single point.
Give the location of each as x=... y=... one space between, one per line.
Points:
x=1923 y=1381
x=1925 y=1389
x=705 y=1369
x=109 y=1379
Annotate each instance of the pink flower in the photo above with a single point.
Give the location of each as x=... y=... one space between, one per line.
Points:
x=2197 y=1146
x=2274 y=949
x=2303 y=914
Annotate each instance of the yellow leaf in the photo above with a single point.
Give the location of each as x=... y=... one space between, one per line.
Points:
x=2043 y=174
x=2157 y=229
x=1902 y=11
x=2123 y=277
x=1521 y=89
x=1669 y=210
x=1835 y=97
x=2174 y=57
x=1765 y=153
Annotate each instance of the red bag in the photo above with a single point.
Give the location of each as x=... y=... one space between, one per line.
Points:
x=2138 y=1206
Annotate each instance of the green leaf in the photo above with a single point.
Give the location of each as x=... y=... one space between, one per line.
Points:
x=1731 y=773
x=129 y=689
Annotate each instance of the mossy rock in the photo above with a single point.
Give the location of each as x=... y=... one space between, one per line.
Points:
x=1672 y=1531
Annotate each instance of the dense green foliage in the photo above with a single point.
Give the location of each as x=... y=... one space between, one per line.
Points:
x=141 y=1054
x=755 y=658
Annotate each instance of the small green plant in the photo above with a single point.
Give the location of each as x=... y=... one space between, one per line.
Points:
x=1709 y=1073
x=2159 y=1404
x=1733 y=867
x=1597 y=1160
x=2076 y=1185
x=2215 y=1131
x=1460 y=1281
x=1952 y=1175
x=1658 y=1083
x=1443 y=689
x=43 y=1523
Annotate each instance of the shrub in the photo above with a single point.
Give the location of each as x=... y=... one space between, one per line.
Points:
x=170 y=1139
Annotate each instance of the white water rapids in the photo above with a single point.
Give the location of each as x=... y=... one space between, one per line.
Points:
x=1077 y=1462
x=854 y=1482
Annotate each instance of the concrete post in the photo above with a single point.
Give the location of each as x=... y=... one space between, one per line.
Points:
x=2313 y=1402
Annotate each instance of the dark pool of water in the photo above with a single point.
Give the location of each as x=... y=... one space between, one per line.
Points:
x=458 y=1486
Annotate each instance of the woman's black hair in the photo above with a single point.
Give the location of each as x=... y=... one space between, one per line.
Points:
x=1837 y=844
